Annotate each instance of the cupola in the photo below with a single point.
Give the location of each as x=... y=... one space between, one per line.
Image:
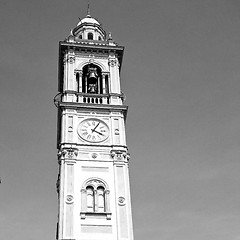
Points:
x=88 y=29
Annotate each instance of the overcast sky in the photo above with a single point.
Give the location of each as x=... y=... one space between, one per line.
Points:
x=181 y=76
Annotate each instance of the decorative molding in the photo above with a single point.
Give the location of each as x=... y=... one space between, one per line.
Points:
x=92 y=58
x=95 y=182
x=116 y=132
x=121 y=201
x=69 y=199
x=106 y=215
x=112 y=62
x=120 y=155
x=70 y=59
x=88 y=60
x=68 y=153
x=94 y=155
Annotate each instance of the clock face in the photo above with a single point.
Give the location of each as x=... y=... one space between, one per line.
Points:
x=93 y=130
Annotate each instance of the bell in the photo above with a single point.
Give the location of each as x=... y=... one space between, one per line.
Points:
x=92 y=74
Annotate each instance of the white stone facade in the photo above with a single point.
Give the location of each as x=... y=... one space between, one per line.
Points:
x=93 y=182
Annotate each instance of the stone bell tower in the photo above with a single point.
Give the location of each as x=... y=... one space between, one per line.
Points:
x=93 y=181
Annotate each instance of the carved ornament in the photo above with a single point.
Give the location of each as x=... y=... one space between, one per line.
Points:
x=68 y=153
x=70 y=59
x=112 y=62
x=121 y=201
x=94 y=155
x=120 y=155
x=69 y=199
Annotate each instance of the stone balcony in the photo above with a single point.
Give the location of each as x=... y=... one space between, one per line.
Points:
x=87 y=98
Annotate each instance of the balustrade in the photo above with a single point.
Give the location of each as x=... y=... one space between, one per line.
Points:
x=88 y=98
x=93 y=98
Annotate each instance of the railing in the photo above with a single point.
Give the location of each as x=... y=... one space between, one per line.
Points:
x=72 y=96
x=92 y=98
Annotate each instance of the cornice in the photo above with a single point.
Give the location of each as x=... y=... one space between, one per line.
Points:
x=89 y=106
x=91 y=46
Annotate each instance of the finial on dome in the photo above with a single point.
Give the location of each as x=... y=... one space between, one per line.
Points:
x=88 y=9
x=110 y=36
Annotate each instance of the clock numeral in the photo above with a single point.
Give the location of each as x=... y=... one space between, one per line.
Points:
x=93 y=123
x=89 y=136
x=94 y=138
x=88 y=123
x=85 y=133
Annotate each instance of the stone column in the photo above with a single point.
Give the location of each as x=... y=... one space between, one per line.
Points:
x=104 y=83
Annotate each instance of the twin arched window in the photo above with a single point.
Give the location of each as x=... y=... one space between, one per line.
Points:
x=95 y=197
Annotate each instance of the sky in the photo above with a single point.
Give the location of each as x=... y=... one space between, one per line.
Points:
x=181 y=77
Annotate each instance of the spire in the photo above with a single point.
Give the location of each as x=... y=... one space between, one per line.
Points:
x=88 y=9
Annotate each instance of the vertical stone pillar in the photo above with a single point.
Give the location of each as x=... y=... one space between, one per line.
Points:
x=80 y=82
x=104 y=83
x=114 y=72
x=65 y=73
x=67 y=193
x=107 y=201
x=86 y=90
x=95 y=200
x=98 y=84
x=71 y=61
x=84 y=200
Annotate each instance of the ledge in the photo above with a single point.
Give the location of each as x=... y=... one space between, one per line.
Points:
x=106 y=215
x=75 y=105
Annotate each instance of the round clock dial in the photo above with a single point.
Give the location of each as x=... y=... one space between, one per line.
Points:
x=93 y=130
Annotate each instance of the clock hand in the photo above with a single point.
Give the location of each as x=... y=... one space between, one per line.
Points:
x=98 y=132
x=93 y=130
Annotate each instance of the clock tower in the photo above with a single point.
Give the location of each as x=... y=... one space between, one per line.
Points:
x=93 y=181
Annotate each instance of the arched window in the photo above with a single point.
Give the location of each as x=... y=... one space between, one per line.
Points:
x=90 y=36
x=100 y=199
x=90 y=199
x=95 y=198
x=92 y=79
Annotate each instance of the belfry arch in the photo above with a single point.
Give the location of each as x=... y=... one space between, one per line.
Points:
x=93 y=80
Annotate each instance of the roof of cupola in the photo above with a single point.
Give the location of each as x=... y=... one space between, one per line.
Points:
x=87 y=23
x=88 y=20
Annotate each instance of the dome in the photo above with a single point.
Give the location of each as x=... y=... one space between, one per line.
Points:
x=89 y=29
x=88 y=19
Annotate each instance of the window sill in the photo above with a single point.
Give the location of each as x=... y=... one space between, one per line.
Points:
x=106 y=215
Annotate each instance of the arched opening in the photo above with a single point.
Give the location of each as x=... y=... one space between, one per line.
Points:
x=90 y=199
x=92 y=79
x=90 y=36
x=101 y=199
